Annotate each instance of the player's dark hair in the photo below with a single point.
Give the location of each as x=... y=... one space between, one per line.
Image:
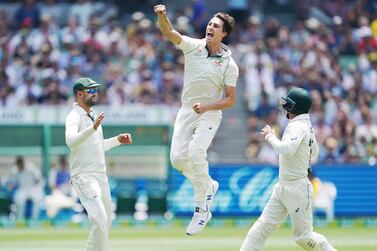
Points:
x=227 y=20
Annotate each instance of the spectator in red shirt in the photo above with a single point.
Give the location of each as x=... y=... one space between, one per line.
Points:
x=368 y=43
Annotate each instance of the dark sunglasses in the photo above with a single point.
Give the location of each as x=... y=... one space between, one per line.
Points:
x=90 y=91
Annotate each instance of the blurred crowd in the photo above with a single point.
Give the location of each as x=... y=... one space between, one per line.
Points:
x=336 y=60
x=42 y=52
x=40 y=57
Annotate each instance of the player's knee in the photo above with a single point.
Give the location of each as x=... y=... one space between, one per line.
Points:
x=257 y=236
x=314 y=241
x=196 y=153
x=306 y=241
x=102 y=222
x=261 y=229
x=178 y=161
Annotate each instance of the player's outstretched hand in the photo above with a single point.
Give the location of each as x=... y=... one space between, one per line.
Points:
x=125 y=138
x=267 y=130
x=160 y=9
x=98 y=120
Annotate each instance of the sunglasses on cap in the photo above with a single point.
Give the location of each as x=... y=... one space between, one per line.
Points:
x=90 y=91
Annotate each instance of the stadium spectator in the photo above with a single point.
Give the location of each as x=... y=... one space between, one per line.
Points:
x=28 y=92
x=199 y=16
x=257 y=65
x=46 y=34
x=62 y=196
x=324 y=195
x=51 y=8
x=82 y=10
x=27 y=13
x=27 y=184
x=368 y=43
x=239 y=9
x=330 y=151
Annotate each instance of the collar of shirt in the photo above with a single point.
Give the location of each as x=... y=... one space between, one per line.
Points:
x=225 y=51
x=300 y=117
x=82 y=111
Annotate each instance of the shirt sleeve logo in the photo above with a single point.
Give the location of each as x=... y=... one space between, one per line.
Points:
x=198 y=52
x=294 y=138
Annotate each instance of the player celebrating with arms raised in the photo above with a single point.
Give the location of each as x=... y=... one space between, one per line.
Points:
x=293 y=193
x=209 y=86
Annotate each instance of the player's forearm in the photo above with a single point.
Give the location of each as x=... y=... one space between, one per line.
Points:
x=74 y=138
x=167 y=29
x=285 y=148
x=164 y=24
x=110 y=143
x=222 y=104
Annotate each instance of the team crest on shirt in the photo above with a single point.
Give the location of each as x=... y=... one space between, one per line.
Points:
x=219 y=62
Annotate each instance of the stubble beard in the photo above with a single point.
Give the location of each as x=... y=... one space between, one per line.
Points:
x=90 y=101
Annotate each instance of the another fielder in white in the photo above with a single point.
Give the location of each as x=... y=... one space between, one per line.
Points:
x=83 y=133
x=293 y=193
x=209 y=86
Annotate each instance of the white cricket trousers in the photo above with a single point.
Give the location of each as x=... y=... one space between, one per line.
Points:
x=35 y=194
x=293 y=198
x=193 y=134
x=94 y=193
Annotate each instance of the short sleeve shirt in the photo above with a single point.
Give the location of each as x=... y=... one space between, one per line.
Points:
x=205 y=76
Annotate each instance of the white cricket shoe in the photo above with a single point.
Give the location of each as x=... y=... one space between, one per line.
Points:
x=199 y=221
x=211 y=194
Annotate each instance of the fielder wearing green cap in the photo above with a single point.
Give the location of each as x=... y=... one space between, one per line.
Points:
x=84 y=137
x=84 y=84
x=292 y=195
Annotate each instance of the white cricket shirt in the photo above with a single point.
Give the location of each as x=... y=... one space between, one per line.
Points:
x=87 y=145
x=205 y=76
x=26 y=179
x=296 y=148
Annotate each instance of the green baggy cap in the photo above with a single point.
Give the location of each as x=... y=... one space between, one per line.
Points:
x=84 y=83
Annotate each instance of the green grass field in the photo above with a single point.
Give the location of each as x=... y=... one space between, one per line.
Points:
x=170 y=238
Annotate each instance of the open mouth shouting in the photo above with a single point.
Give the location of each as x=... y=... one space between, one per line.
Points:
x=209 y=35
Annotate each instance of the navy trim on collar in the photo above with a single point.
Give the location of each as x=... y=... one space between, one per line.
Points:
x=216 y=55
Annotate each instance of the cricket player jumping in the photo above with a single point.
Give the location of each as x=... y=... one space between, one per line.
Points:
x=209 y=86
x=293 y=193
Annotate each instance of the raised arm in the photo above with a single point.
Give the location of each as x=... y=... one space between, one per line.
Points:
x=165 y=25
x=72 y=135
x=288 y=147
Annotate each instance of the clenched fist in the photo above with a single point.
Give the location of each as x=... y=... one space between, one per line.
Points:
x=125 y=138
x=160 y=9
x=199 y=108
